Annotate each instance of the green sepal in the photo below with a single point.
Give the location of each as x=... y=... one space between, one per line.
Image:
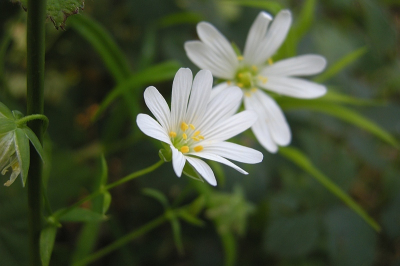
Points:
x=35 y=141
x=106 y=202
x=7 y=125
x=166 y=153
x=82 y=215
x=17 y=114
x=189 y=171
x=5 y=111
x=22 y=150
x=47 y=239
x=236 y=49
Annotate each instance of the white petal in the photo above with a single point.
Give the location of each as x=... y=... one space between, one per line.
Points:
x=276 y=34
x=223 y=106
x=218 y=88
x=7 y=149
x=151 y=128
x=178 y=161
x=294 y=87
x=203 y=169
x=261 y=131
x=230 y=127
x=202 y=56
x=211 y=37
x=158 y=106
x=302 y=65
x=180 y=95
x=270 y=114
x=256 y=35
x=199 y=97
x=235 y=152
x=217 y=158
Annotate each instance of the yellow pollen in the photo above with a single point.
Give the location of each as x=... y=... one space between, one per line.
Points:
x=200 y=137
x=240 y=85
x=263 y=79
x=184 y=136
x=172 y=134
x=195 y=139
x=196 y=133
x=185 y=149
x=270 y=61
x=240 y=75
x=240 y=58
x=198 y=148
x=191 y=126
x=184 y=126
x=229 y=83
x=15 y=166
x=253 y=89
x=248 y=94
x=254 y=68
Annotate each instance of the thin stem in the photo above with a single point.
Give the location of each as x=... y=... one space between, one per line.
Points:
x=46 y=200
x=149 y=169
x=35 y=102
x=28 y=118
x=122 y=241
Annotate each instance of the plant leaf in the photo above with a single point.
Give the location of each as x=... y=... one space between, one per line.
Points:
x=160 y=197
x=4 y=111
x=272 y=6
x=82 y=215
x=47 y=238
x=7 y=125
x=35 y=141
x=301 y=160
x=22 y=150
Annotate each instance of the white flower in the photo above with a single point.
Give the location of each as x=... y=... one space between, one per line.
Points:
x=254 y=70
x=8 y=157
x=197 y=126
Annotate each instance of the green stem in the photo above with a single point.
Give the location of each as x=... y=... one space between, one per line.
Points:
x=28 y=118
x=149 y=169
x=35 y=105
x=122 y=241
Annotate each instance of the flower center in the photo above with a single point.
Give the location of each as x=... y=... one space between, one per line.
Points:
x=187 y=138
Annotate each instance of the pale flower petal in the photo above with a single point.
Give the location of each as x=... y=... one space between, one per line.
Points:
x=157 y=105
x=178 y=161
x=217 y=158
x=303 y=65
x=255 y=36
x=294 y=87
x=152 y=128
x=205 y=58
x=235 y=152
x=261 y=131
x=181 y=87
x=203 y=169
x=218 y=88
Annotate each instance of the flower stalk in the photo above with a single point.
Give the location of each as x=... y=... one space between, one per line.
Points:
x=35 y=85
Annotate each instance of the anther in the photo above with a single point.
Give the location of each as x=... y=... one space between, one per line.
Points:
x=192 y=126
x=184 y=136
x=247 y=94
x=270 y=61
x=254 y=68
x=263 y=79
x=172 y=134
x=240 y=58
x=198 y=148
x=253 y=89
x=185 y=149
x=240 y=85
x=184 y=126
x=195 y=139
x=200 y=137
x=229 y=83
x=196 y=133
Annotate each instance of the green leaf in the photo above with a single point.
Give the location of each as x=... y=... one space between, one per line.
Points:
x=345 y=114
x=161 y=72
x=341 y=64
x=179 y=18
x=106 y=202
x=5 y=111
x=82 y=215
x=305 y=20
x=177 y=232
x=104 y=171
x=160 y=197
x=35 y=141
x=188 y=217
x=22 y=150
x=47 y=238
x=189 y=171
x=301 y=160
x=58 y=10
x=272 y=6
x=7 y=125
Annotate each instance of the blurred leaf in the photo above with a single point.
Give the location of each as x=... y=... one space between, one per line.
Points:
x=148 y=50
x=293 y=236
x=5 y=111
x=301 y=160
x=161 y=72
x=47 y=238
x=189 y=171
x=179 y=18
x=350 y=241
x=230 y=248
x=341 y=64
x=58 y=10
x=188 y=217
x=7 y=125
x=271 y=6
x=177 y=232
x=104 y=171
x=345 y=114
x=305 y=20
x=35 y=141
x=155 y=194
x=334 y=96
x=22 y=150
x=82 y=215
x=106 y=202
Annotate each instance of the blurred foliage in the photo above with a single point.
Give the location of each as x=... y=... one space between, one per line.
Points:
x=278 y=214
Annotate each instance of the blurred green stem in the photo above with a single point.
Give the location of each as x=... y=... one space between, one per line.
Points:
x=35 y=84
x=108 y=187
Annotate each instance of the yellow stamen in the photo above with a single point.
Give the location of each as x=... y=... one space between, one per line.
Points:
x=254 y=68
x=195 y=139
x=184 y=126
x=196 y=133
x=263 y=79
x=198 y=148
x=229 y=83
x=185 y=149
x=240 y=58
x=200 y=137
x=248 y=94
x=192 y=126
x=172 y=134
x=253 y=89
x=240 y=75
x=184 y=136
x=240 y=85
x=270 y=61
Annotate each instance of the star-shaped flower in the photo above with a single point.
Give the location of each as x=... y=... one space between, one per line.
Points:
x=197 y=126
x=255 y=70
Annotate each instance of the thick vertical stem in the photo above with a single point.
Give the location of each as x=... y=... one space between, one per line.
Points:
x=35 y=85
